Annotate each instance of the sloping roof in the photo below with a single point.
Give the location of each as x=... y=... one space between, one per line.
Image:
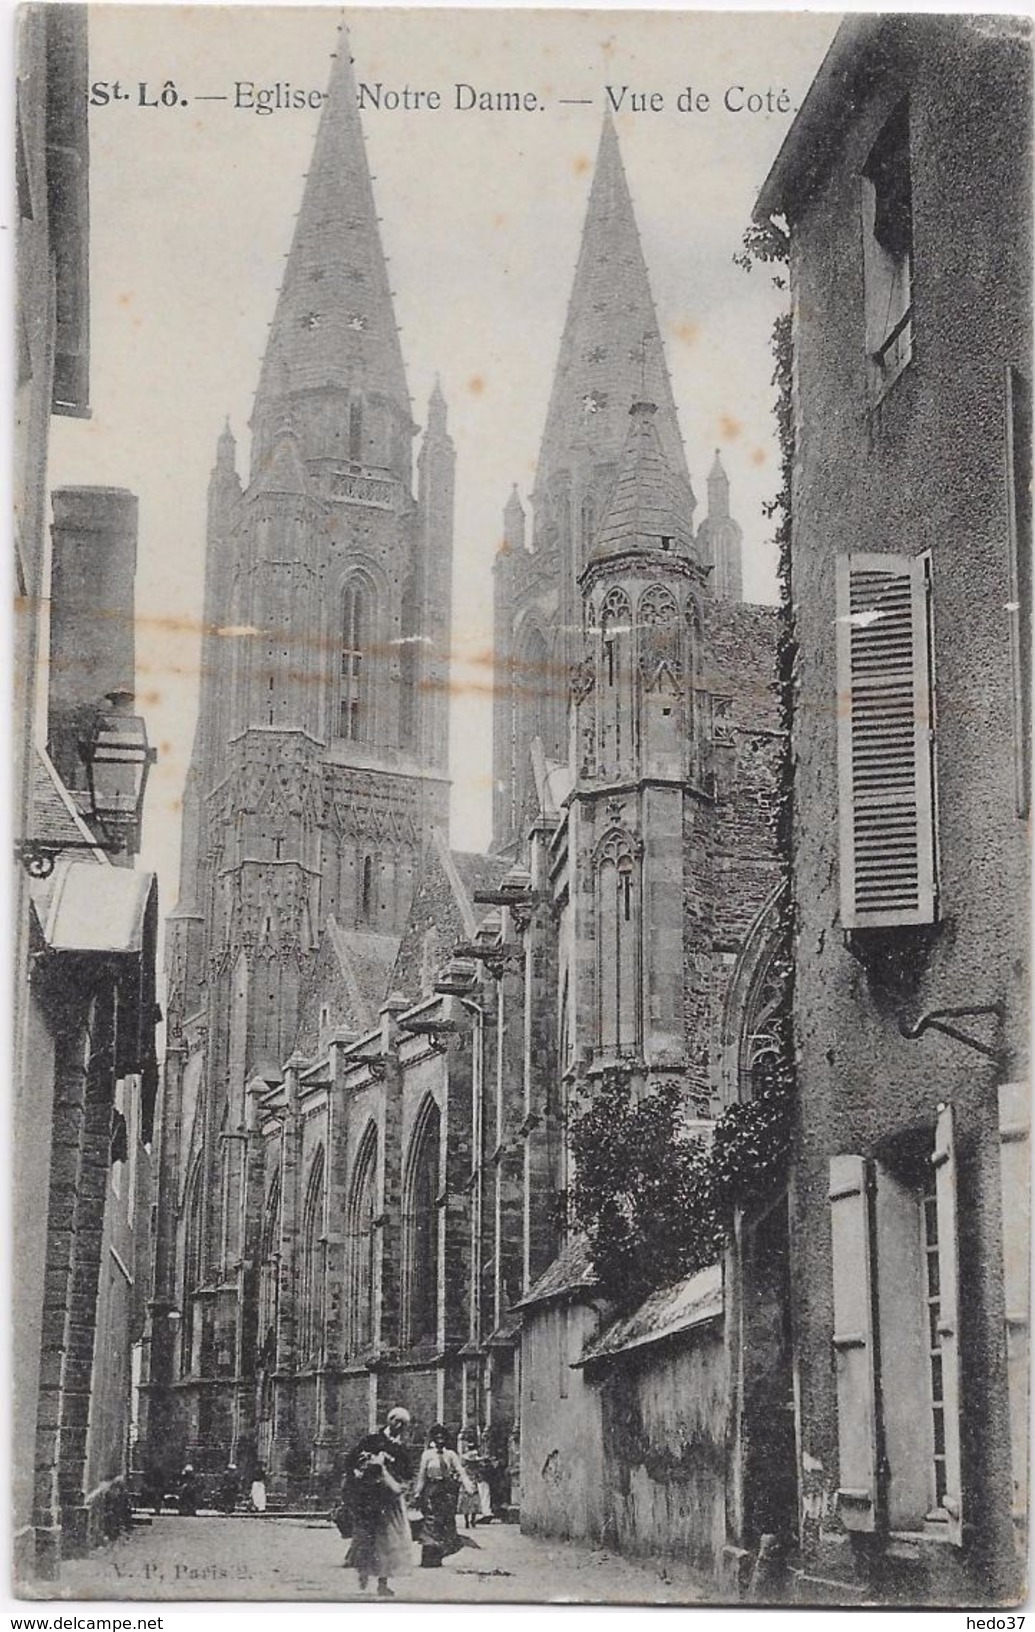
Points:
x=367 y=960
x=665 y=1314
x=443 y=901
x=570 y=1273
x=54 y=813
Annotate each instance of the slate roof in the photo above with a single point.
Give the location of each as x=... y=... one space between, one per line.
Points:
x=334 y=325
x=611 y=353
x=570 y=1273
x=665 y=1314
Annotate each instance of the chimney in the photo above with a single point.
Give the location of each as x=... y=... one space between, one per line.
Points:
x=92 y=635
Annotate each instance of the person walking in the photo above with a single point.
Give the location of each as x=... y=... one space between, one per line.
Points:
x=258 y=1490
x=377 y=1471
x=470 y=1505
x=439 y=1480
x=189 y=1492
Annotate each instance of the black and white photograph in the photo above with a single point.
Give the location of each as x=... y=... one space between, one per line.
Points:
x=520 y=793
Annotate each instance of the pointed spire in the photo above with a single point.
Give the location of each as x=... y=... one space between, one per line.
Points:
x=226 y=448
x=718 y=490
x=513 y=522
x=611 y=353
x=647 y=506
x=334 y=325
x=437 y=412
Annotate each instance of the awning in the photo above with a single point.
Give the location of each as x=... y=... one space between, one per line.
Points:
x=86 y=908
x=664 y=1314
x=88 y=912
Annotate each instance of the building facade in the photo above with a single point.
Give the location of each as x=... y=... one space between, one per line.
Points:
x=374 y=1040
x=905 y=186
x=84 y=1072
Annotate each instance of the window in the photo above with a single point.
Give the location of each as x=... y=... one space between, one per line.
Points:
x=356 y=432
x=420 y=1231
x=357 y=621
x=1014 y=1158
x=269 y=1282
x=887 y=204
x=190 y=1330
x=1018 y=477
x=885 y=741
x=360 y=1256
x=896 y=1336
x=614 y=691
x=618 y=919
x=311 y=1312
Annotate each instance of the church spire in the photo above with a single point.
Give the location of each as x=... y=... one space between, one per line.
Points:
x=611 y=354
x=334 y=326
x=647 y=505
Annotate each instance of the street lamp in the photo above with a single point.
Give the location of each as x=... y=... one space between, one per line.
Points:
x=118 y=758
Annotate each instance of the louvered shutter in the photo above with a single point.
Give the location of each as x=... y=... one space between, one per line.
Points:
x=884 y=741
x=1014 y=1131
x=944 y=1159
x=853 y=1342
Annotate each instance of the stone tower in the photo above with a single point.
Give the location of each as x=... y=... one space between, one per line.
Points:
x=319 y=767
x=720 y=538
x=610 y=356
x=641 y=737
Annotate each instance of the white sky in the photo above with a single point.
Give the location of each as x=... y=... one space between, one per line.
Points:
x=192 y=211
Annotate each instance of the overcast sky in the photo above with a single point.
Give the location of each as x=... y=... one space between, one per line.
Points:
x=192 y=210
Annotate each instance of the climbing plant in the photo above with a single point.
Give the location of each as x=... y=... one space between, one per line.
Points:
x=642 y=1191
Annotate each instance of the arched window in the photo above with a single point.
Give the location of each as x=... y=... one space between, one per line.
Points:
x=532 y=711
x=420 y=1230
x=269 y=1278
x=356 y=432
x=360 y=1256
x=366 y=891
x=190 y=1332
x=358 y=622
x=699 y=707
x=618 y=945
x=614 y=689
x=660 y=636
x=311 y=1300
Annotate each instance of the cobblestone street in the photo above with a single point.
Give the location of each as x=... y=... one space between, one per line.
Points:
x=301 y=1559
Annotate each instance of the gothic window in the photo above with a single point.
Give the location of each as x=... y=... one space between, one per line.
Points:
x=660 y=637
x=358 y=621
x=618 y=962
x=614 y=692
x=269 y=1288
x=367 y=892
x=311 y=1325
x=420 y=1231
x=360 y=1258
x=356 y=432
x=190 y=1331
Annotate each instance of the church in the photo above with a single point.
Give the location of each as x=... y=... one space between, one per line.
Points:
x=374 y=1041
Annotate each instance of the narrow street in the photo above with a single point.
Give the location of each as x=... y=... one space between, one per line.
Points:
x=301 y=1559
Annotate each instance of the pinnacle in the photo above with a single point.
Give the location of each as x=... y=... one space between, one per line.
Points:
x=334 y=325
x=648 y=501
x=611 y=352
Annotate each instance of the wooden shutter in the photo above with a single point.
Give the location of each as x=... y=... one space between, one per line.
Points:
x=1014 y=1132
x=853 y=1342
x=944 y=1159
x=885 y=741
